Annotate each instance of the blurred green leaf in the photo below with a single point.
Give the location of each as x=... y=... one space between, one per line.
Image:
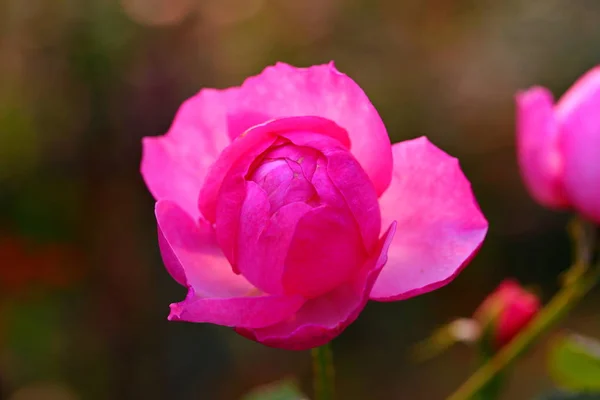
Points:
x=282 y=390
x=574 y=363
x=19 y=139
x=34 y=338
x=569 y=396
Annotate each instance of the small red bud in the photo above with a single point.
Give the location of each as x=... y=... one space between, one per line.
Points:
x=506 y=311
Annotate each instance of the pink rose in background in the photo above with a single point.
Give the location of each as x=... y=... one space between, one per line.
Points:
x=559 y=145
x=283 y=208
x=506 y=311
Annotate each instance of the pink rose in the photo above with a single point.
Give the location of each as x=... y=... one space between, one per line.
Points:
x=277 y=204
x=559 y=145
x=508 y=309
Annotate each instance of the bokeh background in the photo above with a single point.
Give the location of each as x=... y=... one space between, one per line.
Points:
x=83 y=293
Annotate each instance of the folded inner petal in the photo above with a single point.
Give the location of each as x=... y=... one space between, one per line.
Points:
x=283 y=178
x=358 y=193
x=234 y=162
x=325 y=317
x=224 y=190
x=264 y=239
x=343 y=182
x=326 y=250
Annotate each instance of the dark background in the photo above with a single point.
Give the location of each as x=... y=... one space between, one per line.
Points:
x=83 y=293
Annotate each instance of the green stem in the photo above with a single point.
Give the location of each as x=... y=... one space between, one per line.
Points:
x=578 y=280
x=560 y=304
x=323 y=372
x=492 y=389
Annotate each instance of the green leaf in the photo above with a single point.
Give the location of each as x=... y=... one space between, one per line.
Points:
x=282 y=390
x=574 y=363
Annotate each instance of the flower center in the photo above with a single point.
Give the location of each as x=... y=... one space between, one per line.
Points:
x=286 y=174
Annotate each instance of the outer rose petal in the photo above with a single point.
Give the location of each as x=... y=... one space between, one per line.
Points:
x=442 y=225
x=247 y=312
x=540 y=161
x=216 y=294
x=323 y=318
x=174 y=165
x=578 y=113
x=286 y=91
x=192 y=256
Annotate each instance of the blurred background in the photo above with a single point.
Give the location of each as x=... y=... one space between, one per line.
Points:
x=83 y=293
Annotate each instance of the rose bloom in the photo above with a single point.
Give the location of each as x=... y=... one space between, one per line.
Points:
x=283 y=208
x=505 y=312
x=559 y=145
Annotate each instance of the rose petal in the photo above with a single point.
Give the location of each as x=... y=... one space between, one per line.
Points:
x=286 y=91
x=284 y=182
x=235 y=160
x=358 y=192
x=255 y=141
x=192 y=256
x=326 y=250
x=326 y=190
x=578 y=113
x=174 y=165
x=222 y=195
x=246 y=312
x=263 y=240
x=350 y=180
x=323 y=318
x=216 y=295
x=540 y=161
x=242 y=121
x=441 y=224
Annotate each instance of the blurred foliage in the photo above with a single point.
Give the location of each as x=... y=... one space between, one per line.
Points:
x=282 y=390
x=81 y=82
x=574 y=363
x=569 y=396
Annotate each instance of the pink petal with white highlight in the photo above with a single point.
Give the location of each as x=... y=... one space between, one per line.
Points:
x=216 y=295
x=192 y=256
x=440 y=223
x=174 y=165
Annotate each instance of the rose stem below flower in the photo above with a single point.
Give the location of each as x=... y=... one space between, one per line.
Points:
x=323 y=372
x=558 y=307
